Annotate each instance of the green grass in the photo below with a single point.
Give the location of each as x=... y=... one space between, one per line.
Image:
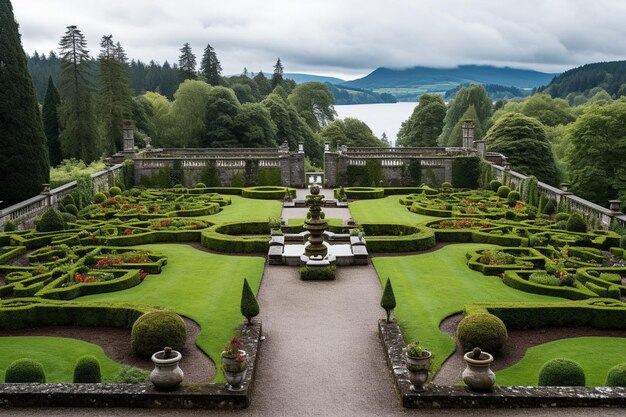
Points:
x=58 y=356
x=432 y=286
x=246 y=209
x=202 y=286
x=385 y=210
x=595 y=354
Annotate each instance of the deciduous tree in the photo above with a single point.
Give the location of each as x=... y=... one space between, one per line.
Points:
x=425 y=124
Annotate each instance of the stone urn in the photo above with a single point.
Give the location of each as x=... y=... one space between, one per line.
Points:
x=417 y=367
x=478 y=375
x=235 y=368
x=166 y=374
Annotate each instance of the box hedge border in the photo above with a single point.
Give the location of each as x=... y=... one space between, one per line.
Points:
x=268 y=192
x=225 y=238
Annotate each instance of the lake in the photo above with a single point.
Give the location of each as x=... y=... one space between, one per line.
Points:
x=380 y=117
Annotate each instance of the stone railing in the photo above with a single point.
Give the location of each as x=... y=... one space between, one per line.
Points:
x=27 y=211
x=603 y=215
x=212 y=153
x=402 y=152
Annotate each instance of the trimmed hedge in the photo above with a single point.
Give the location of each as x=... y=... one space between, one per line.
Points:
x=364 y=193
x=268 y=193
x=465 y=172
x=155 y=330
x=616 y=376
x=317 y=273
x=485 y=331
x=25 y=371
x=224 y=238
x=397 y=238
x=514 y=280
x=562 y=373
x=87 y=370
x=128 y=279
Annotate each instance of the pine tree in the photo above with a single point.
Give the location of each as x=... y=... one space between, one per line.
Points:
x=114 y=93
x=388 y=300
x=51 y=125
x=187 y=63
x=249 y=306
x=210 y=66
x=277 y=77
x=24 y=166
x=79 y=137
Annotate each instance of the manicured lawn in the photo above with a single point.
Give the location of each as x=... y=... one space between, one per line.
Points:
x=595 y=354
x=202 y=286
x=385 y=210
x=246 y=209
x=432 y=286
x=58 y=356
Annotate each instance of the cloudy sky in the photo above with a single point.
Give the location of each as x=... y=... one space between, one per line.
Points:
x=346 y=38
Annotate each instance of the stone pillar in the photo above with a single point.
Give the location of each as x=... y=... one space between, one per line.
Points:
x=300 y=147
x=48 y=194
x=615 y=205
x=565 y=187
x=326 y=147
x=467 y=129
x=479 y=145
x=129 y=140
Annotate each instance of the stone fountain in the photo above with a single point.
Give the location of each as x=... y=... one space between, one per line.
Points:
x=315 y=225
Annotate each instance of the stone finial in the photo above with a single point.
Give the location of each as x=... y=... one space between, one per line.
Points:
x=300 y=147
x=565 y=186
x=615 y=205
x=327 y=147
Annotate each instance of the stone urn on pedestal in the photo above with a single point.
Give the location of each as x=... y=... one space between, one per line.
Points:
x=166 y=374
x=234 y=364
x=417 y=365
x=478 y=375
x=316 y=225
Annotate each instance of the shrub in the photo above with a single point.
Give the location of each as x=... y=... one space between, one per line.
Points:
x=87 y=370
x=561 y=225
x=613 y=292
x=503 y=191
x=612 y=278
x=25 y=371
x=575 y=223
x=323 y=273
x=561 y=217
x=72 y=209
x=51 y=221
x=249 y=307
x=562 y=373
x=509 y=215
x=494 y=185
x=544 y=278
x=114 y=191
x=482 y=330
x=68 y=218
x=465 y=172
x=550 y=208
x=99 y=198
x=616 y=376
x=10 y=226
x=157 y=329
x=513 y=196
x=130 y=375
x=200 y=185
x=388 y=300
x=622 y=241
x=446 y=186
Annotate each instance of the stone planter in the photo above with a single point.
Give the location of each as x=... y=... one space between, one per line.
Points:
x=166 y=374
x=478 y=375
x=417 y=367
x=235 y=369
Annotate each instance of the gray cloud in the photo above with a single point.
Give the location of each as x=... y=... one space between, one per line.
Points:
x=344 y=37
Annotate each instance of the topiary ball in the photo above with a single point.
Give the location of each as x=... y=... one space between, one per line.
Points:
x=562 y=373
x=513 y=196
x=51 y=221
x=617 y=376
x=9 y=226
x=503 y=191
x=483 y=330
x=25 y=371
x=87 y=370
x=113 y=191
x=99 y=198
x=575 y=223
x=561 y=217
x=494 y=185
x=200 y=185
x=157 y=329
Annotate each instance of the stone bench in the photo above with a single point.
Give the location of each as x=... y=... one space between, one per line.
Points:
x=275 y=255
x=277 y=241
x=360 y=255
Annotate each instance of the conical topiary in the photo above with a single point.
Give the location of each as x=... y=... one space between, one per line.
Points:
x=249 y=306
x=388 y=300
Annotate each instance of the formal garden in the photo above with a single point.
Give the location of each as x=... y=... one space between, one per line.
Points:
x=523 y=279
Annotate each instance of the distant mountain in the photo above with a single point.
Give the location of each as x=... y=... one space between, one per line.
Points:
x=611 y=76
x=306 y=78
x=382 y=78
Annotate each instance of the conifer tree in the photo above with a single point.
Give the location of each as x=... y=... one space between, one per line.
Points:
x=79 y=137
x=114 y=93
x=388 y=300
x=187 y=63
x=51 y=125
x=249 y=306
x=24 y=166
x=277 y=77
x=210 y=66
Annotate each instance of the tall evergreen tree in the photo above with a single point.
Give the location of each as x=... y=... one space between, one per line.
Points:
x=187 y=63
x=277 y=77
x=51 y=126
x=114 y=93
x=24 y=166
x=210 y=66
x=79 y=137
x=473 y=95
